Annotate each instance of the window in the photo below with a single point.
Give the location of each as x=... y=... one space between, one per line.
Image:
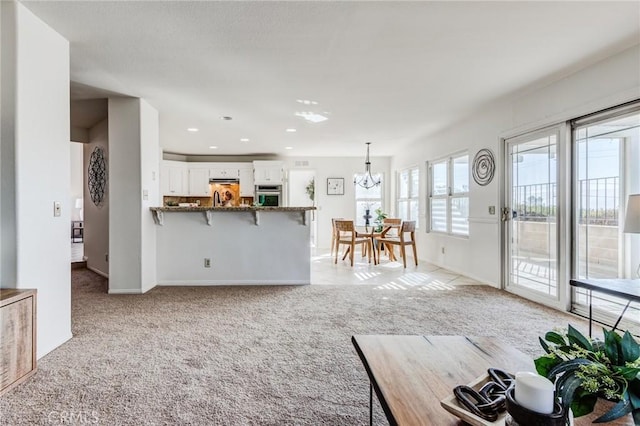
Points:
x=449 y=195
x=368 y=199
x=408 y=190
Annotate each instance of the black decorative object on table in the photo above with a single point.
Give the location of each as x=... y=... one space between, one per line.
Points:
x=97 y=173
x=366 y=217
x=484 y=167
x=521 y=416
x=490 y=400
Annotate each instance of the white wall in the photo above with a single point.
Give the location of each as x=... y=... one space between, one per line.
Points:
x=608 y=83
x=77 y=178
x=330 y=206
x=96 y=218
x=134 y=154
x=39 y=110
x=150 y=182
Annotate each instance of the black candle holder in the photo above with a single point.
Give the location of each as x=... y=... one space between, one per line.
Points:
x=517 y=415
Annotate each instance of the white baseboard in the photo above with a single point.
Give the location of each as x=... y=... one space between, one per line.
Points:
x=97 y=271
x=125 y=291
x=231 y=282
x=465 y=274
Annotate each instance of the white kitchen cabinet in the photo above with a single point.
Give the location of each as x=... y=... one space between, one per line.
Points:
x=199 y=182
x=223 y=172
x=268 y=172
x=247 y=187
x=174 y=177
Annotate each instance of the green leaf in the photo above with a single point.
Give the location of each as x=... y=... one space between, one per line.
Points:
x=636 y=416
x=630 y=348
x=566 y=387
x=544 y=345
x=583 y=405
x=622 y=408
x=612 y=347
x=628 y=373
x=634 y=393
x=554 y=337
x=567 y=366
x=576 y=337
x=544 y=364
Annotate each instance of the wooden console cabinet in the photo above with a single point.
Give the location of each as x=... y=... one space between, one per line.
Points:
x=17 y=337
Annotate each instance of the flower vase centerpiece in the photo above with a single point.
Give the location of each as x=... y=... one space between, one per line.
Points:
x=585 y=370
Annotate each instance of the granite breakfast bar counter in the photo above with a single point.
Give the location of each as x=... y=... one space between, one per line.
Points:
x=232 y=245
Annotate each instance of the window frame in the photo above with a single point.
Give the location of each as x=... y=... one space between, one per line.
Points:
x=410 y=190
x=449 y=194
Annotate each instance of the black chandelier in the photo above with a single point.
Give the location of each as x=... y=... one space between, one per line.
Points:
x=366 y=181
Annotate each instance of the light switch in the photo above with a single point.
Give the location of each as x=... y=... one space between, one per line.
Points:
x=57 y=208
x=145 y=194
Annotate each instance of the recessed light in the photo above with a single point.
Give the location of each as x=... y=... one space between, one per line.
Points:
x=291 y=130
x=244 y=140
x=213 y=147
x=306 y=102
x=288 y=147
x=311 y=116
x=192 y=129
x=226 y=117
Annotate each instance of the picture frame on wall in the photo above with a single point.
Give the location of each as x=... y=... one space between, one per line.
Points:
x=335 y=186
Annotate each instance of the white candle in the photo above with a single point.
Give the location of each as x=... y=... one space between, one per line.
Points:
x=534 y=392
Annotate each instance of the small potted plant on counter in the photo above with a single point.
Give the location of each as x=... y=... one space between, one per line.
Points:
x=585 y=370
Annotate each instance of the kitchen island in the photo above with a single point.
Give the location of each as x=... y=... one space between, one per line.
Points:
x=233 y=245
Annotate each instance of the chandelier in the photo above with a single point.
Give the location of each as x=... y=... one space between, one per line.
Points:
x=366 y=180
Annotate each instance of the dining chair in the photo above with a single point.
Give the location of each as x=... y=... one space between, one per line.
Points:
x=390 y=227
x=334 y=234
x=347 y=235
x=407 y=227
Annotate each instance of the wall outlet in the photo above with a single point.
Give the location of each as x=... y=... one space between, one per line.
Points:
x=207 y=262
x=492 y=209
x=57 y=208
x=442 y=250
x=106 y=257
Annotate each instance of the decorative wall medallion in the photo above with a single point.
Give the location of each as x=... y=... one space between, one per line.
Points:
x=484 y=167
x=97 y=176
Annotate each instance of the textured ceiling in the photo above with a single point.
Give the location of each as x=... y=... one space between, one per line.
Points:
x=386 y=72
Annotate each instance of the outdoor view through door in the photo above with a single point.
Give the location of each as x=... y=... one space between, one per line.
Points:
x=532 y=225
x=565 y=201
x=607 y=152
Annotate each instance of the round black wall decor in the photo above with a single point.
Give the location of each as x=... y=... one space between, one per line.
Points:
x=484 y=167
x=97 y=176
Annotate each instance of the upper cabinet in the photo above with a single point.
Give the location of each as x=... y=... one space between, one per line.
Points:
x=247 y=188
x=199 y=182
x=268 y=172
x=223 y=171
x=174 y=177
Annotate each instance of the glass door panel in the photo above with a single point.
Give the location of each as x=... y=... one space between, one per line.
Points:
x=531 y=215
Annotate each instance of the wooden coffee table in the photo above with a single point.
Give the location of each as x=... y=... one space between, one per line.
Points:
x=411 y=374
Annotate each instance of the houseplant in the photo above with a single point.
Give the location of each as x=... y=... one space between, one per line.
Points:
x=380 y=217
x=310 y=189
x=584 y=370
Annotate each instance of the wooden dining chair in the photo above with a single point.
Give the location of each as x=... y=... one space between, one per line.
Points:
x=407 y=227
x=390 y=227
x=334 y=234
x=347 y=235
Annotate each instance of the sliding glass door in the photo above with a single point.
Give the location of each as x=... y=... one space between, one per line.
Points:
x=607 y=170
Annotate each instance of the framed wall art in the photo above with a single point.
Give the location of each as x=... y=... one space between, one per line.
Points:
x=335 y=186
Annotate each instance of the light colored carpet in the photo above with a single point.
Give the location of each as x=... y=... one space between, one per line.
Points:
x=246 y=355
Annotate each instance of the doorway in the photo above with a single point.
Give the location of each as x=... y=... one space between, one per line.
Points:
x=531 y=216
x=77 y=202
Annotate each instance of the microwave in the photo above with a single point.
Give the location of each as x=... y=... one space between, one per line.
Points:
x=269 y=195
